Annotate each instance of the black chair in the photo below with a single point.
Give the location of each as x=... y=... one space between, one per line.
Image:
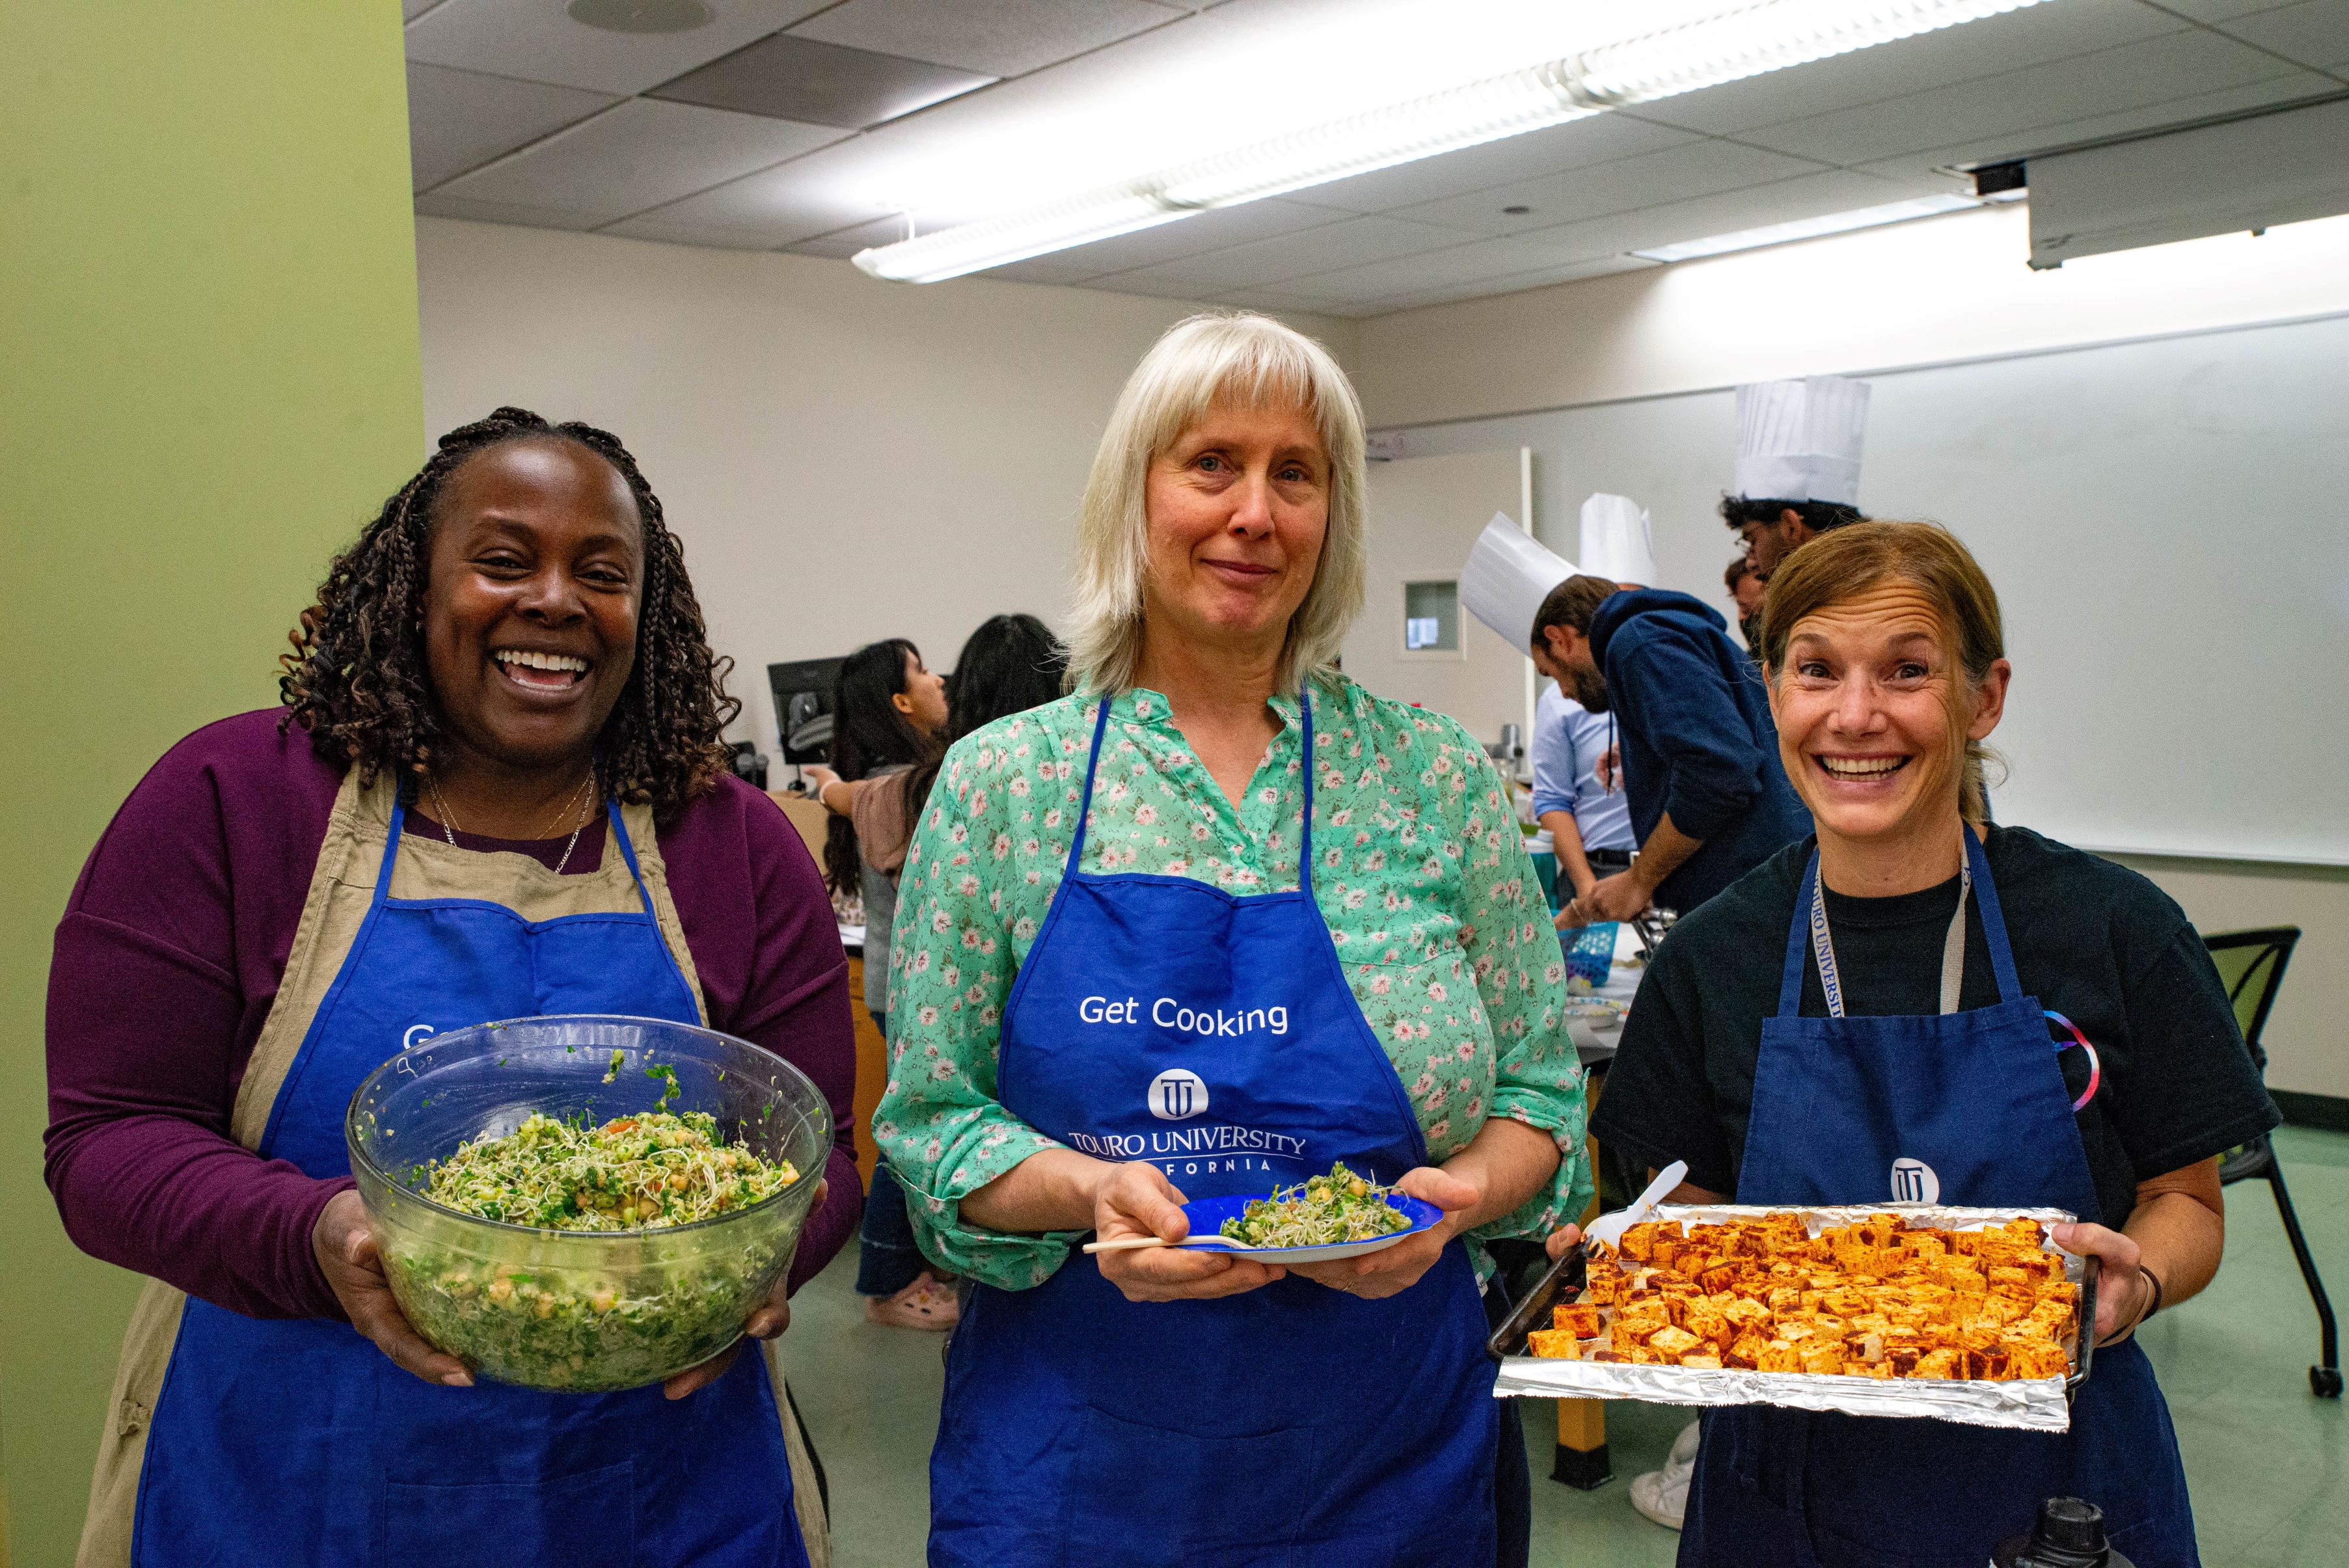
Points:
x=2252 y=965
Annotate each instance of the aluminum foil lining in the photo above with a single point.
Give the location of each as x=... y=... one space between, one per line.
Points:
x=2030 y=1404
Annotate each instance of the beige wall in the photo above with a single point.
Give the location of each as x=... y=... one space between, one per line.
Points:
x=1916 y=294
x=844 y=459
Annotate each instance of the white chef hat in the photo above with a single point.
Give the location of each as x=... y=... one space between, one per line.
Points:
x=1799 y=440
x=1507 y=576
x=1616 y=541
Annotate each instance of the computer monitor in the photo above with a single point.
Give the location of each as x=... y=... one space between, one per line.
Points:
x=802 y=689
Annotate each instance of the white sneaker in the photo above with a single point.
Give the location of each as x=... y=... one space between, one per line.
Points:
x=1663 y=1495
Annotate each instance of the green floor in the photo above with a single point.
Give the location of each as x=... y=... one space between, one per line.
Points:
x=2269 y=1464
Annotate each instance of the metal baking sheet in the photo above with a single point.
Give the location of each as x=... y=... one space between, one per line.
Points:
x=2031 y=1404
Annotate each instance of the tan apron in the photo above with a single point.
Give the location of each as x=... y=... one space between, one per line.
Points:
x=342 y=886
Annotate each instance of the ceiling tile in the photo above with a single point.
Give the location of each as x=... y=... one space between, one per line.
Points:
x=997 y=37
x=1697 y=168
x=1471 y=265
x=440 y=204
x=459 y=121
x=1605 y=266
x=765 y=210
x=1216 y=230
x=2315 y=32
x=1578 y=144
x=2022 y=104
x=792 y=77
x=639 y=155
x=1318 y=250
x=1990 y=46
x=2185 y=110
x=1608 y=240
x=538 y=41
x=2218 y=10
x=842 y=243
x=1041 y=269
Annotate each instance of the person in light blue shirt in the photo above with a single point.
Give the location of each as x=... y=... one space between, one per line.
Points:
x=1589 y=822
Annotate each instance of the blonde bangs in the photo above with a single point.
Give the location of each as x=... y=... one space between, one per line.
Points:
x=1236 y=359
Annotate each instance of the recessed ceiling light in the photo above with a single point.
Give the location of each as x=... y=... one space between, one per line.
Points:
x=1810 y=228
x=640 y=15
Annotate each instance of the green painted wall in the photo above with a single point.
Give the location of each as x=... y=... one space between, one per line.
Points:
x=209 y=347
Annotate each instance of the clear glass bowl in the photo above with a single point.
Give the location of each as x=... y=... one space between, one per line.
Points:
x=586 y=1311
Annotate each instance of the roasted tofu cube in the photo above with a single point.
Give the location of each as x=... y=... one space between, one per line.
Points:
x=1940 y=1364
x=1710 y=1363
x=2036 y=1358
x=1708 y=1323
x=1778 y=1355
x=1638 y=1242
x=1821 y=1355
x=1673 y=1342
x=1987 y=1365
x=1642 y=1318
x=1584 y=1319
x=1551 y=1344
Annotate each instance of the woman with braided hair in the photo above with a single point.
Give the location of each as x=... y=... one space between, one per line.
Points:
x=494 y=788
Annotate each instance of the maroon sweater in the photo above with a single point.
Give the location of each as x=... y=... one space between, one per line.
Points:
x=173 y=947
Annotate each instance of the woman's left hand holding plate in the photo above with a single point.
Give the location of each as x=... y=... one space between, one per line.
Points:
x=1137 y=1200
x=1395 y=1269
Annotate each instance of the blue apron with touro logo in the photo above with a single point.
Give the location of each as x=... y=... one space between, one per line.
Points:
x=1160 y=1018
x=298 y=1443
x=1962 y=1108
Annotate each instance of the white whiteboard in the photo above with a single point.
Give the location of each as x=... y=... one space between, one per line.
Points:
x=2167 y=526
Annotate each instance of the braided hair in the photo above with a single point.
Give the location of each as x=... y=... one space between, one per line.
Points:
x=356 y=679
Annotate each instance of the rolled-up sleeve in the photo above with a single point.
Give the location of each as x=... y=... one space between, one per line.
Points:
x=944 y=1134
x=1554 y=761
x=1694 y=721
x=1520 y=972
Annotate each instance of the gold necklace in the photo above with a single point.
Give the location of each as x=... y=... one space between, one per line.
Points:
x=450 y=826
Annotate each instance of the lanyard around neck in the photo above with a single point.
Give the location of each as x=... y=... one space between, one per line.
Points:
x=1953 y=947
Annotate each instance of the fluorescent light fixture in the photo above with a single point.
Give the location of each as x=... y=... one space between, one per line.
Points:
x=1811 y=228
x=1767 y=36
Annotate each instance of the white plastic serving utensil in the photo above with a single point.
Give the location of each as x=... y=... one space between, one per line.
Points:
x=1137 y=1243
x=1610 y=1228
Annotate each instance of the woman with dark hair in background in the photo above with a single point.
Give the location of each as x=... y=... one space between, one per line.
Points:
x=1011 y=663
x=888 y=711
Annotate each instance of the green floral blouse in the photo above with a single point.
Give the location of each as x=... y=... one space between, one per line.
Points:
x=1422 y=876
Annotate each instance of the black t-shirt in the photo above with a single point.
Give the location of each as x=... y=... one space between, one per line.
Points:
x=2092 y=940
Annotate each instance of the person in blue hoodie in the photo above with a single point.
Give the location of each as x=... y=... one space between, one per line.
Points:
x=1708 y=798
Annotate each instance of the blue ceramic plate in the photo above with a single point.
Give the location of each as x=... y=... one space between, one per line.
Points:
x=1207 y=1216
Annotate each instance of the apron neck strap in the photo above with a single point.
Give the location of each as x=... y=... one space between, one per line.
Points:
x=1811 y=917
x=1305 y=849
x=1085 y=805
x=1092 y=763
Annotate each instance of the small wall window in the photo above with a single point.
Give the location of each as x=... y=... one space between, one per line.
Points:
x=1430 y=617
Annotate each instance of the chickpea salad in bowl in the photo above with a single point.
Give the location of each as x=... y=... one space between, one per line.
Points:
x=547 y=1219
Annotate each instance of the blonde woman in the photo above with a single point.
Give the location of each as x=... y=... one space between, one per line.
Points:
x=1915 y=1006
x=1209 y=925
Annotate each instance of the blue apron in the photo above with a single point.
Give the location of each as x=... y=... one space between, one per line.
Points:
x=1858 y=1110
x=1160 y=1018
x=297 y=1442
